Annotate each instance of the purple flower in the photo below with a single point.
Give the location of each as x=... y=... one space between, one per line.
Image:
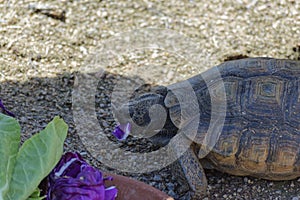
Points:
x=75 y=179
x=5 y=111
x=122 y=131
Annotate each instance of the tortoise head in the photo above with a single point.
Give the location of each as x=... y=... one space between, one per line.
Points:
x=148 y=116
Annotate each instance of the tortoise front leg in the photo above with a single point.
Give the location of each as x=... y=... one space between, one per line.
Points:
x=194 y=174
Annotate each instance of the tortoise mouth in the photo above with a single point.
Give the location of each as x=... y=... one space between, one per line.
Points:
x=149 y=118
x=164 y=136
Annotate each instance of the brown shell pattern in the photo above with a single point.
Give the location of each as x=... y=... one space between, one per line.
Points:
x=261 y=134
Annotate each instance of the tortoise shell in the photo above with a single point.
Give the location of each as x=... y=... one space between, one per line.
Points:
x=261 y=131
x=259 y=101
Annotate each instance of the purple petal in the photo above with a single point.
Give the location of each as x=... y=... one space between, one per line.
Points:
x=69 y=165
x=111 y=193
x=122 y=131
x=5 y=111
x=109 y=178
x=76 y=189
x=75 y=179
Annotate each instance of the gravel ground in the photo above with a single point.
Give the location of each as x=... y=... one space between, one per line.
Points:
x=43 y=45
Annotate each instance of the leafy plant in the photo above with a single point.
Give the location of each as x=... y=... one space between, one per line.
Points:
x=23 y=168
x=36 y=195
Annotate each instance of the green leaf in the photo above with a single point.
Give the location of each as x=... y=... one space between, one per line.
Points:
x=36 y=158
x=36 y=195
x=9 y=145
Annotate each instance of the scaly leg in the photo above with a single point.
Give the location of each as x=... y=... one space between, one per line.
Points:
x=194 y=174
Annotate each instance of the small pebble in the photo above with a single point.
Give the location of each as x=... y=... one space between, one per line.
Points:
x=170 y=186
x=172 y=193
x=157 y=177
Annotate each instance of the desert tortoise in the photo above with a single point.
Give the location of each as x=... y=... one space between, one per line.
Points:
x=260 y=134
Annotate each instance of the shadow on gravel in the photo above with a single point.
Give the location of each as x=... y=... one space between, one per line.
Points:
x=37 y=100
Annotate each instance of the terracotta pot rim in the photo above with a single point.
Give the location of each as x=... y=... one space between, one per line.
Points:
x=131 y=189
